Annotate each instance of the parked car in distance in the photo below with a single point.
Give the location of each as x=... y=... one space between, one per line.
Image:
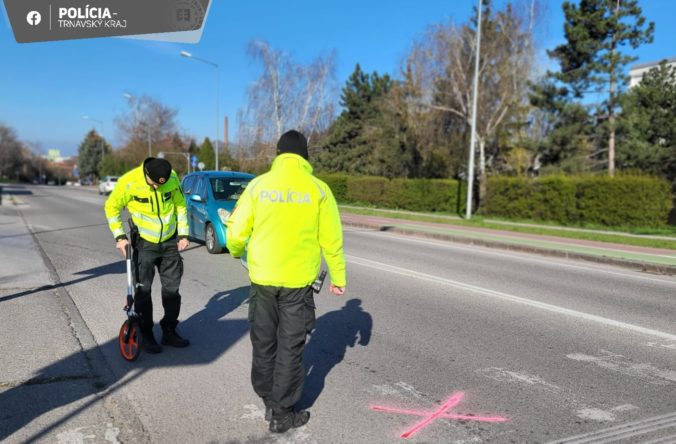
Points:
x=107 y=184
x=210 y=197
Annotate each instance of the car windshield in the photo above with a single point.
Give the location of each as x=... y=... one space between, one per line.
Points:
x=225 y=188
x=112 y=179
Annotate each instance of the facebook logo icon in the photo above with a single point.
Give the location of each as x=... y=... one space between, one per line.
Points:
x=34 y=18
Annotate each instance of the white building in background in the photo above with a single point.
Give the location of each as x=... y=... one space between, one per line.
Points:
x=54 y=156
x=636 y=72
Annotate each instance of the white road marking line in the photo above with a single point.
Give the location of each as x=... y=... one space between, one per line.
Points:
x=410 y=389
x=112 y=433
x=657 y=344
x=619 y=364
x=502 y=375
x=594 y=414
x=671 y=439
x=508 y=297
x=486 y=251
x=628 y=430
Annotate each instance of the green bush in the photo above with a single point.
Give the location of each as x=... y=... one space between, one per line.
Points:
x=425 y=195
x=407 y=194
x=549 y=198
x=338 y=185
x=632 y=201
x=509 y=197
x=367 y=190
x=622 y=201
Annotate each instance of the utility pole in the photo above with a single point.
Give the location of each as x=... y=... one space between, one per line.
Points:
x=475 y=93
x=225 y=137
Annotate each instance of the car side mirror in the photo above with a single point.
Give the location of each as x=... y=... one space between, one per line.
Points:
x=196 y=198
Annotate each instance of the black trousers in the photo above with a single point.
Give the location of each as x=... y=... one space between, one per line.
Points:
x=280 y=320
x=169 y=263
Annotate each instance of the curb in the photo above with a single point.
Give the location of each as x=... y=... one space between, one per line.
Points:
x=625 y=263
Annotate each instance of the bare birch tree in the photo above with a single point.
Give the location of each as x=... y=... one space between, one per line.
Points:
x=147 y=122
x=441 y=64
x=287 y=95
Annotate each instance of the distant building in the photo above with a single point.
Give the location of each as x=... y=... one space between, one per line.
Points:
x=636 y=72
x=54 y=156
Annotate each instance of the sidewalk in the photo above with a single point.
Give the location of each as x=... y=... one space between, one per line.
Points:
x=654 y=260
x=53 y=384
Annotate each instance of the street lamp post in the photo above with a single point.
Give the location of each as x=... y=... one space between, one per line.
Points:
x=147 y=127
x=161 y=155
x=190 y=56
x=475 y=93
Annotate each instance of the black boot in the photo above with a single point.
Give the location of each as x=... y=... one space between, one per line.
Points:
x=149 y=344
x=171 y=337
x=281 y=424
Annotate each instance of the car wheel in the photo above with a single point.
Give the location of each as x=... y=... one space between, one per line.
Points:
x=211 y=240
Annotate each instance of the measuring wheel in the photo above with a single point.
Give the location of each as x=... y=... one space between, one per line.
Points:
x=130 y=340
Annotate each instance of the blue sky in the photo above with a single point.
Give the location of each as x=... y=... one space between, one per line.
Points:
x=46 y=88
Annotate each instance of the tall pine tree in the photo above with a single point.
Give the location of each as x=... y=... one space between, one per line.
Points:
x=206 y=154
x=91 y=152
x=347 y=148
x=595 y=30
x=647 y=139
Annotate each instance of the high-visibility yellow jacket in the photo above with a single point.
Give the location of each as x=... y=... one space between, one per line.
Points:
x=289 y=218
x=156 y=213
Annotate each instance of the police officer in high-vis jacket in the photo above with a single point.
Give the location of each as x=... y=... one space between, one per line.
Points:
x=289 y=218
x=155 y=202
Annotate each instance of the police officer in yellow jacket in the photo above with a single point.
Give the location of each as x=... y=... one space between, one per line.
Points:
x=153 y=197
x=289 y=218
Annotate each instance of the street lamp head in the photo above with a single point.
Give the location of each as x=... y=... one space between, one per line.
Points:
x=186 y=54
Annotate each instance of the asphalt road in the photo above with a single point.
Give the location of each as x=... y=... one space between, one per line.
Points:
x=472 y=344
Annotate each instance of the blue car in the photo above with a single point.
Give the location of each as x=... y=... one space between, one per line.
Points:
x=210 y=197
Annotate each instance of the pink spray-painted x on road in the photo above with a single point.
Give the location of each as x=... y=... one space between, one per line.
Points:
x=441 y=412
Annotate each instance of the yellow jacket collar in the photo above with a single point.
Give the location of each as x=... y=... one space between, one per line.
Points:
x=290 y=161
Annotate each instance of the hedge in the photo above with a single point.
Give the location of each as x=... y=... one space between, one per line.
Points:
x=622 y=201
x=337 y=183
x=406 y=194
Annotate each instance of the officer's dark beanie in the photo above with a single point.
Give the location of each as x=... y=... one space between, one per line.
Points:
x=293 y=142
x=158 y=170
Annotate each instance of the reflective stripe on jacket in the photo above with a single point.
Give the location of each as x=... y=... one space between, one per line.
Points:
x=158 y=214
x=290 y=218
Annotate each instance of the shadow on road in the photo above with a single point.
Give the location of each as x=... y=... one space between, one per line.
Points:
x=53 y=231
x=12 y=190
x=334 y=332
x=113 y=268
x=210 y=336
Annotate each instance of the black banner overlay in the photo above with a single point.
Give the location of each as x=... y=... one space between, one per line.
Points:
x=48 y=20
